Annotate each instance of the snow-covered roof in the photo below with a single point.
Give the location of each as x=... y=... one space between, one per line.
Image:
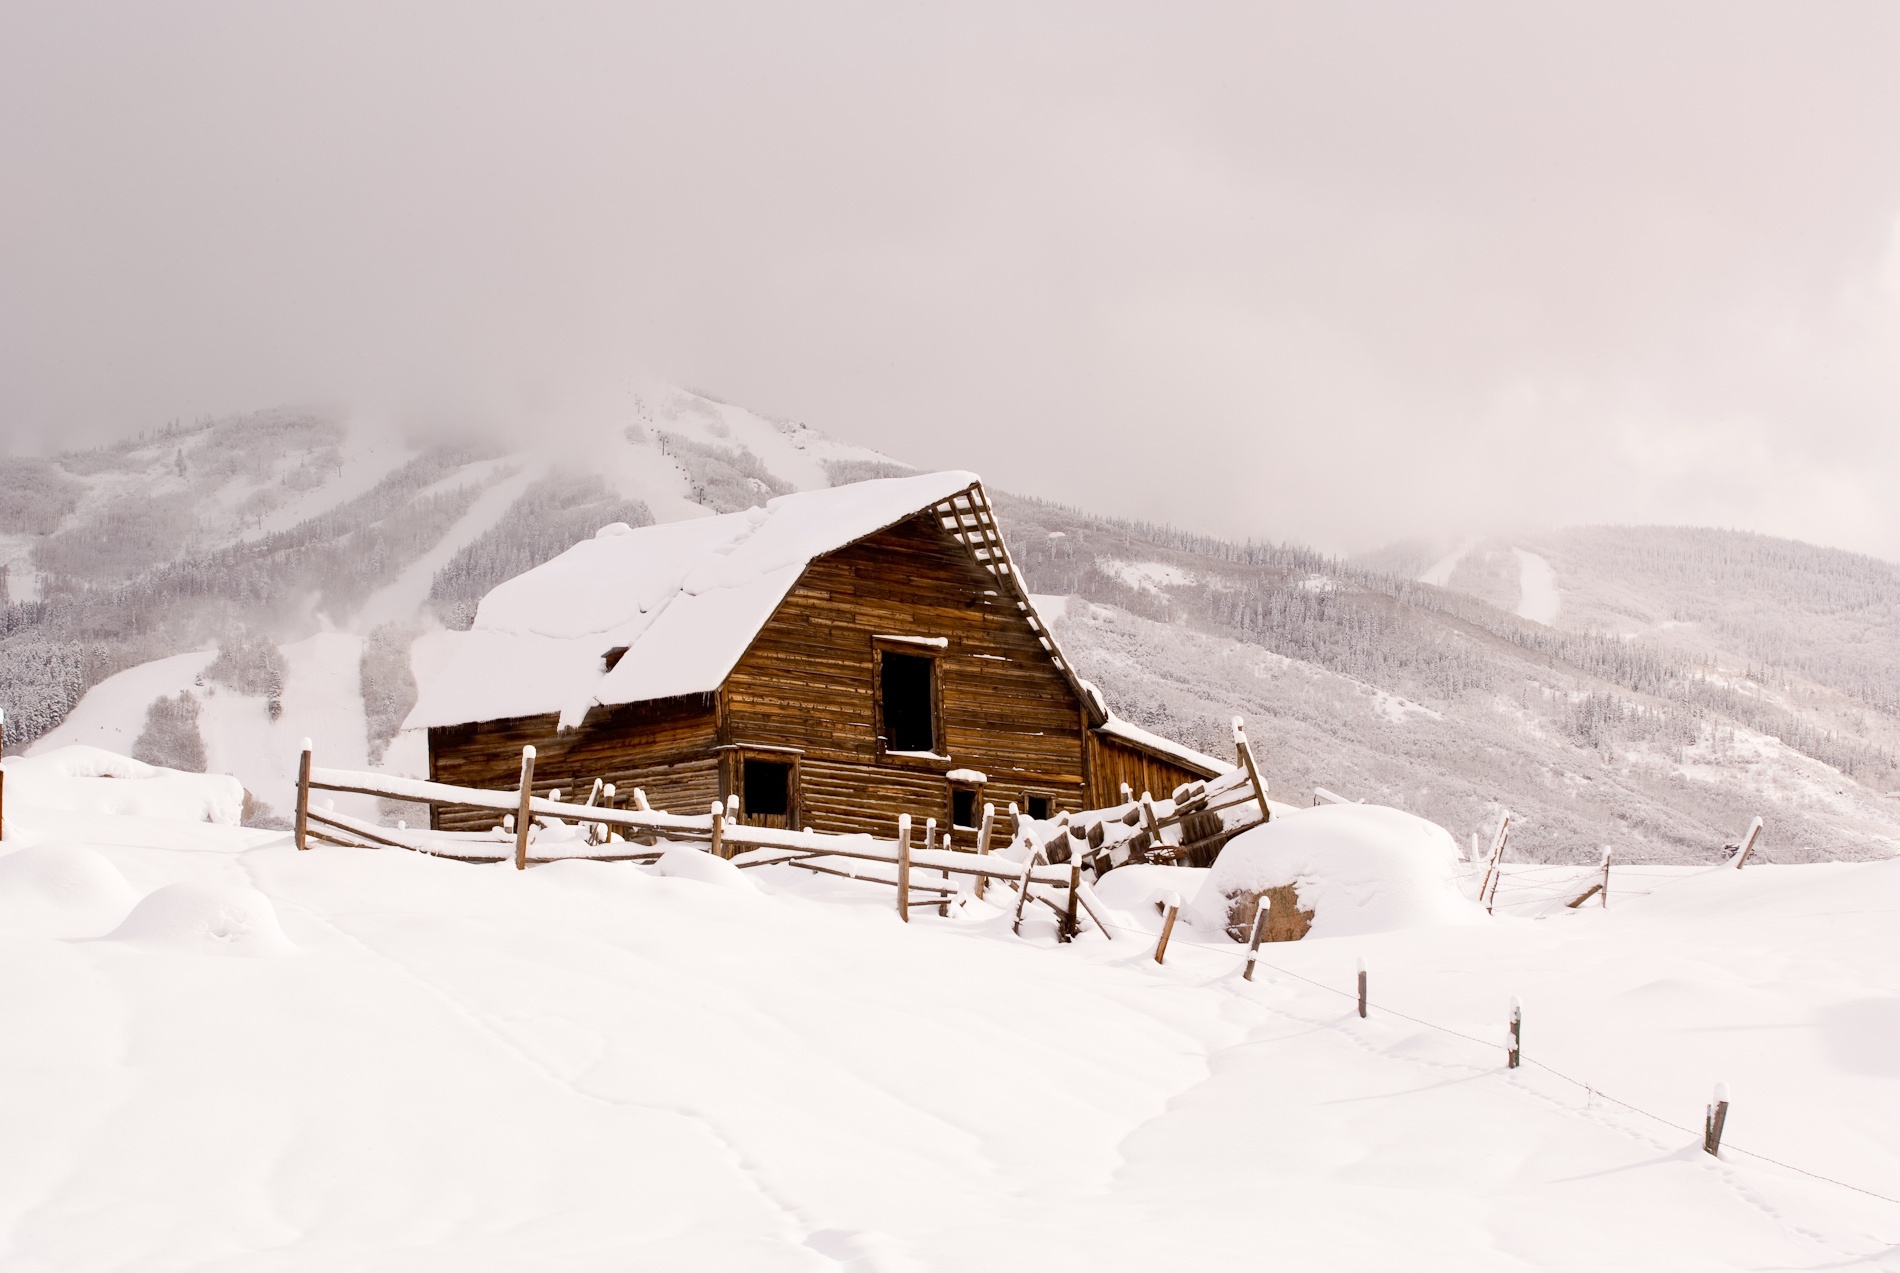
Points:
x=684 y=598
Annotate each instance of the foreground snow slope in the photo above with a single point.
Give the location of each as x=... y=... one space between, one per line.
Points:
x=598 y=1066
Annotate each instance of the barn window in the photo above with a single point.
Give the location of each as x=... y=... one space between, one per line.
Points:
x=1037 y=807
x=908 y=701
x=768 y=788
x=963 y=807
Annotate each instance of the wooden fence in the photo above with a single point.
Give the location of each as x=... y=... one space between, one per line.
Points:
x=1051 y=873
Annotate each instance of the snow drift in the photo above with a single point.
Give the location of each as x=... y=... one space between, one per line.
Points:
x=1352 y=868
x=211 y=919
x=81 y=779
x=65 y=891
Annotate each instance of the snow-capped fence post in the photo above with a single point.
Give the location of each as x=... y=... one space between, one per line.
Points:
x=1151 y=823
x=1748 y=844
x=1712 y=1120
x=303 y=797
x=903 y=867
x=1167 y=926
x=983 y=844
x=1259 y=931
x=1514 y=1049
x=718 y=829
x=1253 y=771
x=524 y=817
x=1362 y=989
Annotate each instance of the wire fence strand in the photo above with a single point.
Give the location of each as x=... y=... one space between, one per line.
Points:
x=1592 y=1089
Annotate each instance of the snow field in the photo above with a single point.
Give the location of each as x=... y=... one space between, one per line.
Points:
x=593 y=1065
x=1538 y=599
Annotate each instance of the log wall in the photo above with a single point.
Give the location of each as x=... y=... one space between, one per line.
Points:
x=810 y=681
x=665 y=748
x=1113 y=762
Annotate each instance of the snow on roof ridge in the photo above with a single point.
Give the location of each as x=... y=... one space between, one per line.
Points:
x=684 y=598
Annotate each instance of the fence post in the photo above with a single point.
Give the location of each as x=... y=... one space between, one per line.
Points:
x=1067 y=934
x=983 y=845
x=1491 y=863
x=1253 y=771
x=1748 y=844
x=718 y=829
x=524 y=819
x=303 y=797
x=1167 y=926
x=1022 y=889
x=1606 y=877
x=930 y=842
x=1259 y=931
x=1362 y=989
x=1517 y=1034
x=903 y=867
x=1712 y=1120
x=1152 y=823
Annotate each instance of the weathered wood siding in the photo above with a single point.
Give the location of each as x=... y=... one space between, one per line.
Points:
x=809 y=681
x=665 y=748
x=1113 y=762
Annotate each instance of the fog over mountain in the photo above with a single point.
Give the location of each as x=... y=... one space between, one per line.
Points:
x=1336 y=274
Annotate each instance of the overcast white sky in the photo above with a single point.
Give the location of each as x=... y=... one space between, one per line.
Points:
x=1338 y=272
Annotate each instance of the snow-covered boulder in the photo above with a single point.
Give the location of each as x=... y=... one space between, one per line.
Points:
x=1334 y=871
x=81 y=779
x=208 y=919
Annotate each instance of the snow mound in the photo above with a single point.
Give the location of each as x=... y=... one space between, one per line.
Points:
x=81 y=779
x=1134 y=889
x=1353 y=868
x=211 y=919
x=697 y=864
x=61 y=891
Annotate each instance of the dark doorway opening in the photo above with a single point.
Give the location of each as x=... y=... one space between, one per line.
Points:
x=963 y=807
x=1038 y=807
x=909 y=711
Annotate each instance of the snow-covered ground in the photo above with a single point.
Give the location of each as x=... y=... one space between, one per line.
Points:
x=349 y=1059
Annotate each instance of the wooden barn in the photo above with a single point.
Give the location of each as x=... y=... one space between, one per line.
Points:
x=834 y=659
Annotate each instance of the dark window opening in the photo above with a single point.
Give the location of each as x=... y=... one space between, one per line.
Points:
x=908 y=723
x=1038 y=807
x=963 y=807
x=768 y=788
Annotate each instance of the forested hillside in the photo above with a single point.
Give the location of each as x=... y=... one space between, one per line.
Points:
x=1394 y=690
